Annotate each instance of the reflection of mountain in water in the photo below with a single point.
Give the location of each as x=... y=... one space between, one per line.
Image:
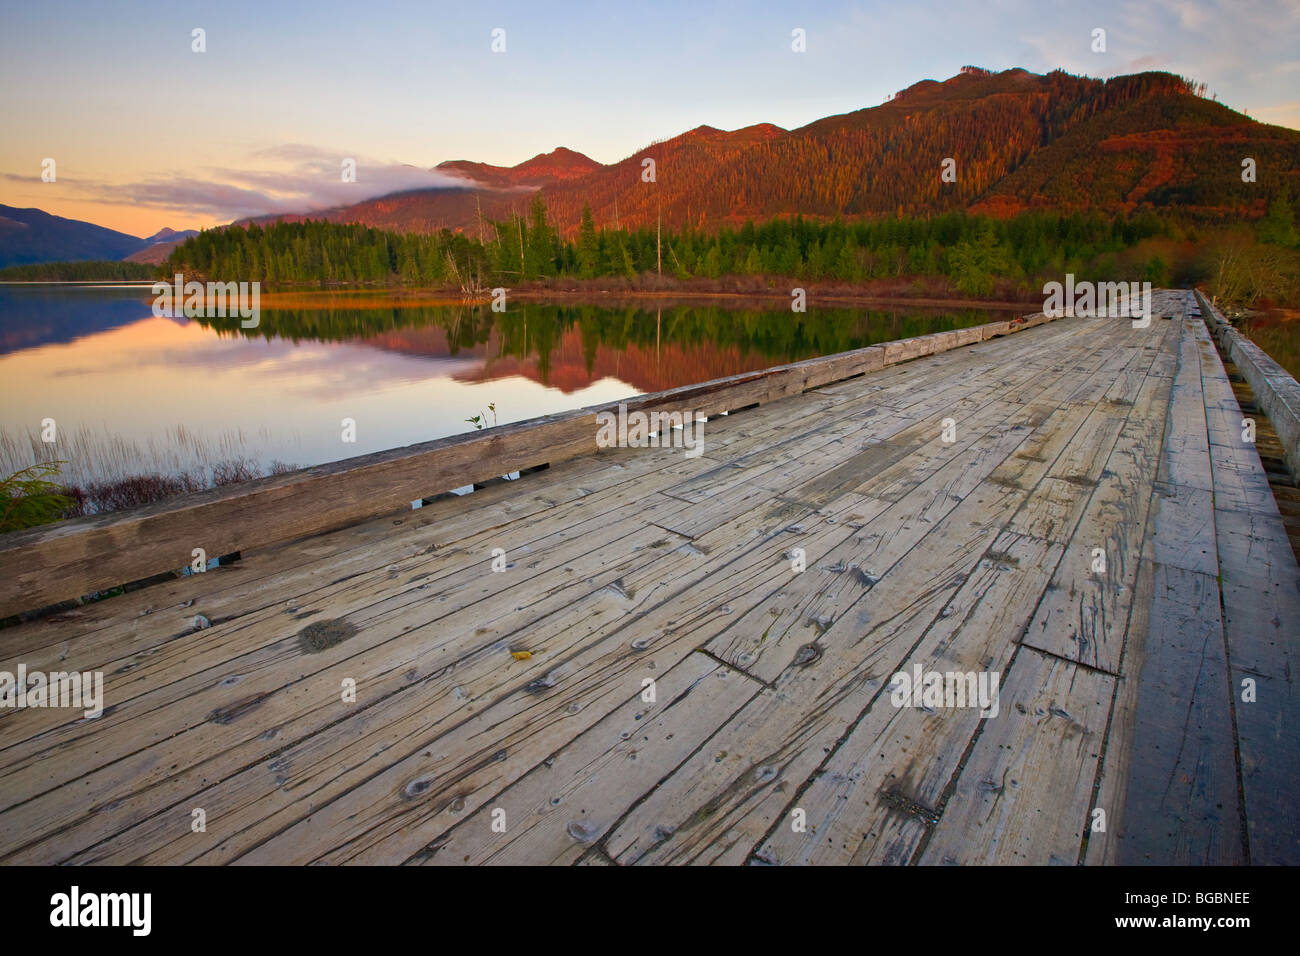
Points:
x=653 y=351
x=571 y=367
x=570 y=347
x=566 y=347
x=32 y=316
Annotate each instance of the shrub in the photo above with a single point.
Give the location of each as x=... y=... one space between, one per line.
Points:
x=29 y=498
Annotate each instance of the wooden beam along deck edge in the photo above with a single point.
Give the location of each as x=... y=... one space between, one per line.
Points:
x=79 y=556
x=1276 y=392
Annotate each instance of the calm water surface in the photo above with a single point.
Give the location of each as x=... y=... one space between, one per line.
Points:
x=134 y=394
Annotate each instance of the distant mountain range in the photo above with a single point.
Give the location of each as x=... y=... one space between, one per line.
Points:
x=31 y=236
x=1017 y=140
x=160 y=245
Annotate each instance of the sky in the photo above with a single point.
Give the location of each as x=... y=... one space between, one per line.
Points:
x=145 y=132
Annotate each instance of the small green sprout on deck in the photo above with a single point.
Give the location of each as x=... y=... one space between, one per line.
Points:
x=479 y=421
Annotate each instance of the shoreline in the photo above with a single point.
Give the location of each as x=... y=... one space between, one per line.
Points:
x=1001 y=305
x=778 y=301
x=763 y=295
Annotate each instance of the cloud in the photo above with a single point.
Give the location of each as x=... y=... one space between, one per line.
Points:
x=1142 y=63
x=289 y=178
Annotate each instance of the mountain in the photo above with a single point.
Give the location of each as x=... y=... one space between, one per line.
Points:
x=423 y=210
x=38 y=319
x=160 y=246
x=491 y=193
x=30 y=236
x=34 y=236
x=1018 y=139
x=545 y=169
x=170 y=235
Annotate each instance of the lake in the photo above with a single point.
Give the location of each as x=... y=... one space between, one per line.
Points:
x=132 y=394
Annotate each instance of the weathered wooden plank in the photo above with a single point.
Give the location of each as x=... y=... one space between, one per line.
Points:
x=1085 y=610
x=1260 y=585
x=1025 y=791
x=263 y=576
x=392 y=826
x=976 y=420
x=747 y=465
x=815 y=699
x=1056 y=503
x=1241 y=484
x=207 y=713
x=260 y=630
x=74 y=557
x=1183 y=533
x=1187 y=443
x=990 y=355
x=716 y=807
x=1276 y=392
x=1181 y=804
x=568 y=803
x=406 y=688
x=729 y=841
x=762 y=643
x=1104 y=835
x=419 y=568
x=877 y=794
x=337 y=758
x=1261 y=609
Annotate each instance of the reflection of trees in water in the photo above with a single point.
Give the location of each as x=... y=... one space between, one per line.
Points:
x=535 y=329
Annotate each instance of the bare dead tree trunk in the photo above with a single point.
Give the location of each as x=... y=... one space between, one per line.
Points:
x=523 y=269
x=659 y=249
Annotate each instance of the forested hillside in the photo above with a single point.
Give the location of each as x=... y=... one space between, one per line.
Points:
x=973 y=253
x=1017 y=141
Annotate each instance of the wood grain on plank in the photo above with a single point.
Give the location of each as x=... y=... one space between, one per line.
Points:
x=1024 y=794
x=878 y=793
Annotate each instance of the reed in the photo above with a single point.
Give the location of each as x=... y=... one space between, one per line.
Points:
x=93 y=455
x=87 y=472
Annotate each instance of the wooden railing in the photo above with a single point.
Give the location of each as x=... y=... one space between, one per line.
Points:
x=69 y=559
x=1276 y=392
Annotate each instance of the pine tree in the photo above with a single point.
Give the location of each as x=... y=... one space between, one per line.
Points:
x=1279 y=225
x=540 y=257
x=588 y=245
x=713 y=262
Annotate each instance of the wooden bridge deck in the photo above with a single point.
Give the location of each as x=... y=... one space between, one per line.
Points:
x=515 y=698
